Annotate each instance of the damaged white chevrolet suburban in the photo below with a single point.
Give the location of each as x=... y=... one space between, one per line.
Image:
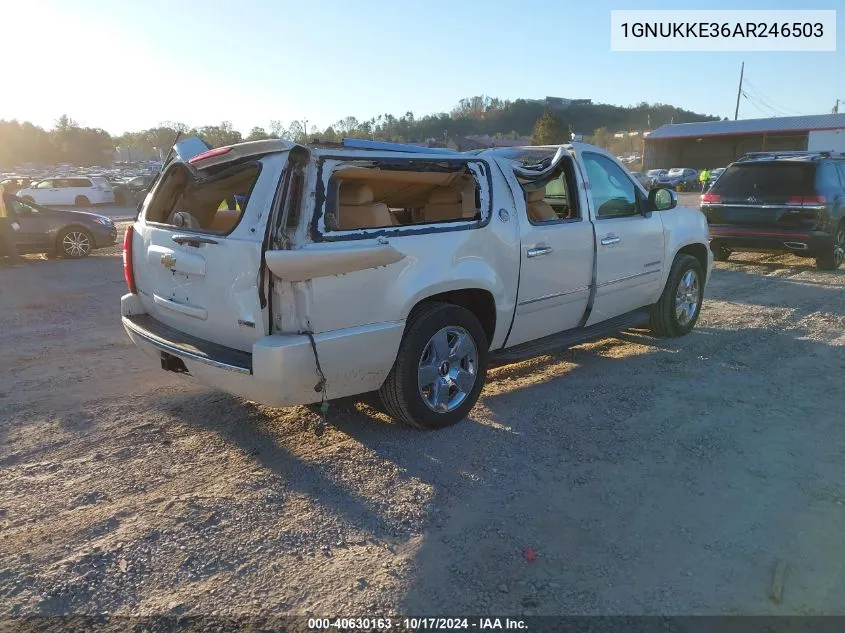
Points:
x=290 y=275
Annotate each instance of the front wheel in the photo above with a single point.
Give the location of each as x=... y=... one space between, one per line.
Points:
x=677 y=310
x=833 y=259
x=75 y=243
x=440 y=368
x=82 y=201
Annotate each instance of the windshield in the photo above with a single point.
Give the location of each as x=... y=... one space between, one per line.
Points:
x=676 y=171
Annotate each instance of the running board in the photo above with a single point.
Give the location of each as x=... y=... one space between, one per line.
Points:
x=568 y=338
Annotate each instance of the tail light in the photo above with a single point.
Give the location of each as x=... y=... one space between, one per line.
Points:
x=713 y=198
x=210 y=154
x=128 y=273
x=806 y=200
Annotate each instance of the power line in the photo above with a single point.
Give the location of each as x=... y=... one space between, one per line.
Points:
x=758 y=103
x=770 y=108
x=764 y=97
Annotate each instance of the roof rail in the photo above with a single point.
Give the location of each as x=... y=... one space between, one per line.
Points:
x=785 y=154
x=356 y=143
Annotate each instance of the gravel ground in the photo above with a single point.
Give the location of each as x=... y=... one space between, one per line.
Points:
x=649 y=476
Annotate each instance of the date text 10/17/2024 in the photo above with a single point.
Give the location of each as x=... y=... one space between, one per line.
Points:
x=415 y=624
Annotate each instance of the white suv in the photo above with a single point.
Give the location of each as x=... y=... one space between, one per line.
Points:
x=290 y=275
x=80 y=191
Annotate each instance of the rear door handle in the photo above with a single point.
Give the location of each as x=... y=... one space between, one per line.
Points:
x=539 y=250
x=610 y=239
x=193 y=240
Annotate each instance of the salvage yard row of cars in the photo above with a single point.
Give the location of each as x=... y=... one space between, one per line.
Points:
x=80 y=190
x=677 y=178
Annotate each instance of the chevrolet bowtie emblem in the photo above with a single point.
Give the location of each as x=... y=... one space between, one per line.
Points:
x=168 y=261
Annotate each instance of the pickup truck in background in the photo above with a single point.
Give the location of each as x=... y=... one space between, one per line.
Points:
x=289 y=275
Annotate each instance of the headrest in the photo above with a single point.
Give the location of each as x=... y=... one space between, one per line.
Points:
x=535 y=195
x=355 y=194
x=443 y=195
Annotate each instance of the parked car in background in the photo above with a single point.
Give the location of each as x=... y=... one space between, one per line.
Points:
x=122 y=193
x=15 y=184
x=653 y=175
x=780 y=202
x=714 y=176
x=398 y=269
x=679 y=178
x=69 y=191
x=58 y=232
x=140 y=184
x=642 y=178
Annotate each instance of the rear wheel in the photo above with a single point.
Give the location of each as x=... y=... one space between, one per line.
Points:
x=82 y=201
x=440 y=368
x=834 y=258
x=75 y=243
x=677 y=310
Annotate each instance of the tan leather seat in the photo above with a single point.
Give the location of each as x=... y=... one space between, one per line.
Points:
x=537 y=208
x=443 y=204
x=356 y=209
x=225 y=220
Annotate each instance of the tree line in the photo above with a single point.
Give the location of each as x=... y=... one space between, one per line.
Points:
x=69 y=142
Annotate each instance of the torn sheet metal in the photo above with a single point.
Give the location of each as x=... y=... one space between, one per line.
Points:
x=322 y=260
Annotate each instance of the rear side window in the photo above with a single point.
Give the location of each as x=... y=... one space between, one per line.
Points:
x=393 y=196
x=828 y=178
x=212 y=205
x=766 y=180
x=840 y=166
x=79 y=182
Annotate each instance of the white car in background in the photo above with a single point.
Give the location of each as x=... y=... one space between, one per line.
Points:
x=80 y=191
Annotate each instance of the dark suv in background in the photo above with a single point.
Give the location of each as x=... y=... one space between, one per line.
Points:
x=782 y=202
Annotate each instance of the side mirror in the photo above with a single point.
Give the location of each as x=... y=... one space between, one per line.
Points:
x=662 y=199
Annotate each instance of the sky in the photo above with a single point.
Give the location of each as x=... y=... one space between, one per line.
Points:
x=123 y=65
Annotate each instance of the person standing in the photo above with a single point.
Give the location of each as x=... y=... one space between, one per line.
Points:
x=704 y=177
x=8 y=226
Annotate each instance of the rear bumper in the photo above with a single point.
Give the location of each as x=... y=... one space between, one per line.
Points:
x=771 y=239
x=281 y=369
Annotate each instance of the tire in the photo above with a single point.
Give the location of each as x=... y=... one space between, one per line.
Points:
x=419 y=359
x=119 y=198
x=82 y=201
x=833 y=259
x=28 y=199
x=75 y=242
x=720 y=253
x=667 y=317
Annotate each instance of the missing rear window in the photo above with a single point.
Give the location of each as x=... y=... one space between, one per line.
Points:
x=212 y=205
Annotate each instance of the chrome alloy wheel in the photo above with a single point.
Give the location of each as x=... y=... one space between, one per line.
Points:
x=76 y=244
x=447 y=369
x=839 y=247
x=687 y=297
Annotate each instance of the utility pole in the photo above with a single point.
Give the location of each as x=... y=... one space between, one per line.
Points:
x=305 y=130
x=836 y=107
x=739 y=91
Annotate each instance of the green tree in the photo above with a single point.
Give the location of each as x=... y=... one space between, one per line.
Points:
x=550 y=130
x=257 y=134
